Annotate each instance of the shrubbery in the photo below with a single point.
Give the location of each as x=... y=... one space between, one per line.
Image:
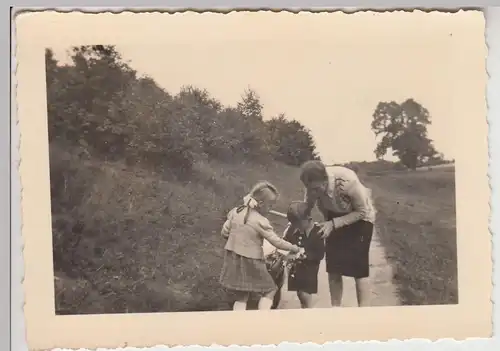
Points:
x=100 y=104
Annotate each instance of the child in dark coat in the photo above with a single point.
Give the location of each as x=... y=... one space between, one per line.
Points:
x=303 y=232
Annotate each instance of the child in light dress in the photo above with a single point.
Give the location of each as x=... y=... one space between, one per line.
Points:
x=244 y=270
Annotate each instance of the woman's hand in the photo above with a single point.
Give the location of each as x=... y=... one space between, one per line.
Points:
x=326 y=228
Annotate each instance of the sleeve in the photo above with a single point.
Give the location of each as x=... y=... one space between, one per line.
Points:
x=285 y=237
x=361 y=205
x=226 y=227
x=266 y=230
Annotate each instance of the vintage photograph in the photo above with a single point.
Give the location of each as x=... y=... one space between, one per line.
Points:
x=310 y=166
x=182 y=200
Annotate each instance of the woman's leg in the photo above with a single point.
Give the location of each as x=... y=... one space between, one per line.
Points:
x=305 y=299
x=363 y=291
x=363 y=284
x=336 y=288
x=334 y=252
x=266 y=301
x=241 y=301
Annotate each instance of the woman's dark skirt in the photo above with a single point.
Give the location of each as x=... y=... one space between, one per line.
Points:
x=347 y=250
x=245 y=274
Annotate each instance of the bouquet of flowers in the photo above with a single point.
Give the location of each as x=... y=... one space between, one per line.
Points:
x=291 y=262
x=275 y=263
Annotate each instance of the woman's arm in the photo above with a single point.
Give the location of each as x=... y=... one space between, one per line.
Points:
x=361 y=205
x=309 y=200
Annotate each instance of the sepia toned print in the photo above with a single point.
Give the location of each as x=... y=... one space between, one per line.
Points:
x=326 y=168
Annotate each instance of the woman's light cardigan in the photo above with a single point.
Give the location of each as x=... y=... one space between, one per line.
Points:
x=345 y=195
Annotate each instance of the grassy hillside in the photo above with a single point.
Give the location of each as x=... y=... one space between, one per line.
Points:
x=152 y=244
x=417 y=226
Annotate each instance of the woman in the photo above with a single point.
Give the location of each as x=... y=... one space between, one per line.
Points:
x=349 y=215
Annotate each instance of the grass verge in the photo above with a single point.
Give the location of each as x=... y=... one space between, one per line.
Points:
x=417 y=226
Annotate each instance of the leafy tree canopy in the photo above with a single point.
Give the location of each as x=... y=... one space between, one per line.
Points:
x=402 y=128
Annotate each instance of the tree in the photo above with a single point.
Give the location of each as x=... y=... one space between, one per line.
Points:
x=250 y=105
x=291 y=142
x=81 y=94
x=403 y=129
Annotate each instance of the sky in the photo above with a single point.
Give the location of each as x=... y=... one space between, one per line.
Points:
x=327 y=73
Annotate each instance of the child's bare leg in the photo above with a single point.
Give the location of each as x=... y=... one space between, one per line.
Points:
x=266 y=301
x=306 y=300
x=241 y=301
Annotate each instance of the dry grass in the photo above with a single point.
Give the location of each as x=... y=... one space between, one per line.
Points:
x=150 y=244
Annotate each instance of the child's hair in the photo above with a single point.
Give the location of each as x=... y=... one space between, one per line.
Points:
x=313 y=171
x=298 y=211
x=258 y=190
x=257 y=194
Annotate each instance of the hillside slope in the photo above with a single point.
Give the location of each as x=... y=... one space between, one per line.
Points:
x=151 y=244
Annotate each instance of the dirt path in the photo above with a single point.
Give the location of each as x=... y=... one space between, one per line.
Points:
x=383 y=291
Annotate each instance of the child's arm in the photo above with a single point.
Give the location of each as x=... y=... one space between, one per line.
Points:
x=266 y=230
x=226 y=227
x=285 y=236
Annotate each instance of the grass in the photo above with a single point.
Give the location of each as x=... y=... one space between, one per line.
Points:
x=147 y=243
x=416 y=224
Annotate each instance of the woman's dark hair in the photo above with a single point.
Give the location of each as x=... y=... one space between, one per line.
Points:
x=313 y=171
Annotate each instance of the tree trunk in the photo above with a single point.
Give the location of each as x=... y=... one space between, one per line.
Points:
x=410 y=160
